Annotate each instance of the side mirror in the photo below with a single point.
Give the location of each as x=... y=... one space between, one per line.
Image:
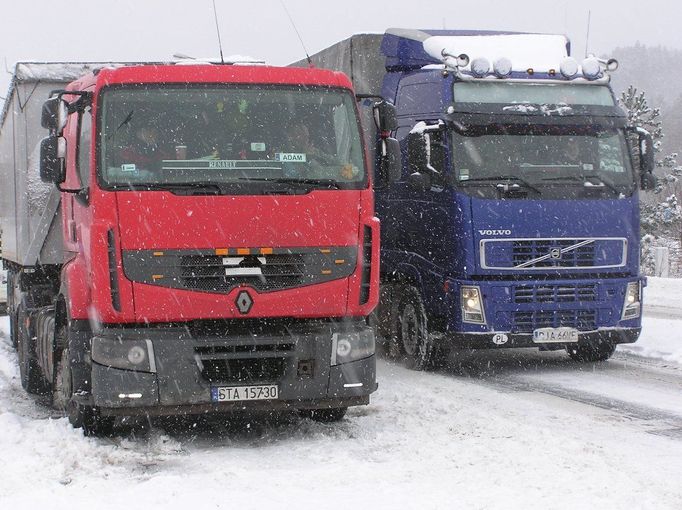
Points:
x=52 y=160
x=389 y=165
x=385 y=116
x=54 y=114
x=647 y=163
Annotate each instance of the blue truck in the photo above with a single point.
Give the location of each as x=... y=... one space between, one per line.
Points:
x=515 y=222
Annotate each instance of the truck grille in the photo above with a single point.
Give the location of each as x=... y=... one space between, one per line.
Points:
x=253 y=363
x=555 y=293
x=264 y=270
x=548 y=254
x=525 y=251
x=527 y=322
x=207 y=272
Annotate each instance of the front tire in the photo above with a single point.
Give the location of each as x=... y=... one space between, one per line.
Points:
x=600 y=350
x=80 y=416
x=410 y=337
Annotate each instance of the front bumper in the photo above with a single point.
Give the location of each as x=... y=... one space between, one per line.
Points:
x=519 y=307
x=497 y=341
x=188 y=364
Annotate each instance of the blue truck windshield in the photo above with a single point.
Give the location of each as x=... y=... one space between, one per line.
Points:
x=224 y=136
x=532 y=93
x=567 y=159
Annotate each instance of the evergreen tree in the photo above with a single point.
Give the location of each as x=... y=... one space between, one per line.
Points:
x=661 y=218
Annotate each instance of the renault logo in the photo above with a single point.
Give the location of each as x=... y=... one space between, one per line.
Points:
x=244 y=302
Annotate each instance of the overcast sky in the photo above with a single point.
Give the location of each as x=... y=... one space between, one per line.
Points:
x=133 y=30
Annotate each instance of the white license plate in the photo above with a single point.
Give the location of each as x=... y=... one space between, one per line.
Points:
x=555 y=335
x=238 y=393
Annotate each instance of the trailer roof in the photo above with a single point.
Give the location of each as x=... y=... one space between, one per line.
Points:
x=50 y=72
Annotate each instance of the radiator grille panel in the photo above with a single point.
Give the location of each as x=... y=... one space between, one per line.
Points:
x=272 y=270
x=527 y=322
x=555 y=293
x=549 y=254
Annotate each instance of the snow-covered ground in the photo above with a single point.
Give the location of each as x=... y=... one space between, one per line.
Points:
x=661 y=330
x=503 y=429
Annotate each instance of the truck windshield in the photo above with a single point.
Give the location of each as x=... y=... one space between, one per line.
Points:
x=544 y=157
x=195 y=136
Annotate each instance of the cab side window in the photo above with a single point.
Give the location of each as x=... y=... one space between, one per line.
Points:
x=84 y=146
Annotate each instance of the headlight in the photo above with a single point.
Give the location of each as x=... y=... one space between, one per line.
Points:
x=472 y=306
x=632 y=306
x=352 y=346
x=126 y=354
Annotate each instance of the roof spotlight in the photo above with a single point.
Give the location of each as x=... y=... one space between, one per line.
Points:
x=502 y=67
x=611 y=64
x=569 y=67
x=480 y=66
x=591 y=68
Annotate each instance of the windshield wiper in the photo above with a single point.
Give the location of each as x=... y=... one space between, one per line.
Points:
x=181 y=188
x=603 y=183
x=500 y=185
x=323 y=183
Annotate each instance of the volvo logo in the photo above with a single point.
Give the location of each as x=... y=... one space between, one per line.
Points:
x=555 y=253
x=244 y=302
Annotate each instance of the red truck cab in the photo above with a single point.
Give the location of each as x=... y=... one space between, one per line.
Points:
x=217 y=255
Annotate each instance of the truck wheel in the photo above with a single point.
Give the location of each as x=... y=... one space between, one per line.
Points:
x=80 y=417
x=593 y=351
x=32 y=379
x=324 y=415
x=410 y=338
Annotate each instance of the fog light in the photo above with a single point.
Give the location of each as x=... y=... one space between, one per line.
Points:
x=136 y=355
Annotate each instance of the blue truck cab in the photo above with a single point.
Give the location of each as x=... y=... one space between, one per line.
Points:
x=515 y=222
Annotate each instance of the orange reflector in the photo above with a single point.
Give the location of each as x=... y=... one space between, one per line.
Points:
x=326 y=271
x=339 y=261
x=157 y=277
x=243 y=251
x=325 y=250
x=158 y=254
x=266 y=251
x=221 y=251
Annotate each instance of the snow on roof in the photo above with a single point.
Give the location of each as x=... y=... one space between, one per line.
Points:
x=57 y=71
x=539 y=51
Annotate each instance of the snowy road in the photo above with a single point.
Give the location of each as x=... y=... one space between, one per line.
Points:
x=504 y=429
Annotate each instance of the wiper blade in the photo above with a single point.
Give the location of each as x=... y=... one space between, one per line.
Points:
x=603 y=183
x=188 y=188
x=501 y=185
x=323 y=183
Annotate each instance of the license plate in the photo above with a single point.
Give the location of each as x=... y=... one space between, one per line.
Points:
x=555 y=335
x=239 y=393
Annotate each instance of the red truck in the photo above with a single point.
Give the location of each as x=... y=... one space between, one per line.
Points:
x=210 y=244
